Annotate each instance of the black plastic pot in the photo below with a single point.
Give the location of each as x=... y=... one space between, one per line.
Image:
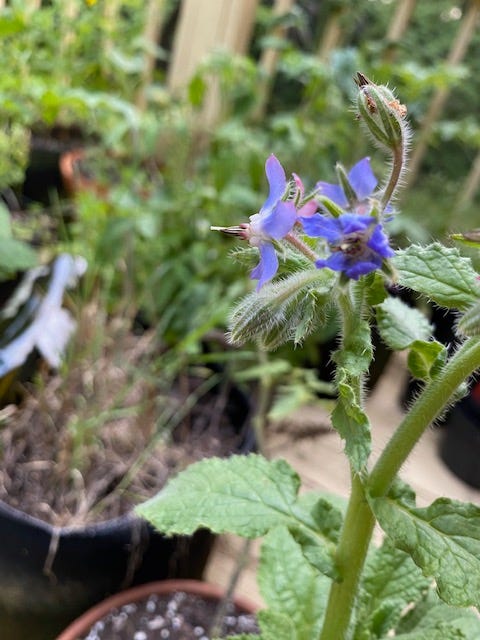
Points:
x=460 y=444
x=48 y=575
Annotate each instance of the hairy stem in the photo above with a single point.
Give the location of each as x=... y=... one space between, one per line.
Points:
x=301 y=246
x=397 y=166
x=359 y=521
x=429 y=405
x=351 y=553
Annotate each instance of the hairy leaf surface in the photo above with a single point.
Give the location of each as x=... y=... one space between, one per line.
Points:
x=443 y=540
x=440 y=273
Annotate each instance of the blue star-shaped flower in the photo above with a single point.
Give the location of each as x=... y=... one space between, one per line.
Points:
x=358 y=243
x=274 y=220
x=363 y=183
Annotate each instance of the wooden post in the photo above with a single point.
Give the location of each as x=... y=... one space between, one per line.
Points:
x=205 y=26
x=151 y=35
x=268 y=61
x=469 y=186
x=332 y=34
x=397 y=27
x=456 y=55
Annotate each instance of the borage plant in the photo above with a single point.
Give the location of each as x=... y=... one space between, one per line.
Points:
x=319 y=573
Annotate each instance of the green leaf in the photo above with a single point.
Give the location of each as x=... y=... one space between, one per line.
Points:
x=400 y=325
x=442 y=539
x=442 y=631
x=440 y=273
x=290 y=586
x=391 y=581
x=355 y=354
x=426 y=359
x=15 y=256
x=245 y=495
x=275 y=626
x=352 y=424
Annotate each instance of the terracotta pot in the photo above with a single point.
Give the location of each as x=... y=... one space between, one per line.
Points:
x=74 y=179
x=83 y=624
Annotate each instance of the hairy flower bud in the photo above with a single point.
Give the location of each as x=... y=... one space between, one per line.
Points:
x=382 y=114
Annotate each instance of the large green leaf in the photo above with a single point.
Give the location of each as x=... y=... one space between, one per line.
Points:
x=290 y=586
x=440 y=273
x=431 y=613
x=442 y=539
x=390 y=583
x=245 y=495
x=400 y=325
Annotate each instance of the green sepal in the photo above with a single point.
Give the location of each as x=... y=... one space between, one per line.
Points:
x=345 y=184
x=288 y=309
x=330 y=206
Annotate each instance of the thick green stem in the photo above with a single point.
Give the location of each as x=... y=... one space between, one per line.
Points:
x=429 y=405
x=359 y=521
x=351 y=552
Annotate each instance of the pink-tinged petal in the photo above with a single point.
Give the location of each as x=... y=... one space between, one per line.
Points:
x=280 y=221
x=334 y=192
x=308 y=209
x=362 y=179
x=299 y=184
x=268 y=265
x=277 y=182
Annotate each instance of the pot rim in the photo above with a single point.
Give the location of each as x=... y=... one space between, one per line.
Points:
x=196 y=587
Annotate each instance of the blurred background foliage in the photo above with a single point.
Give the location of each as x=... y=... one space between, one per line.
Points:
x=75 y=73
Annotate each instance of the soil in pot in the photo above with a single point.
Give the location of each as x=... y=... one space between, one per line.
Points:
x=106 y=436
x=177 y=616
x=100 y=437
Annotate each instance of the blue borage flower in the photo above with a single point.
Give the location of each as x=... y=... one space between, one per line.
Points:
x=358 y=243
x=273 y=222
x=363 y=183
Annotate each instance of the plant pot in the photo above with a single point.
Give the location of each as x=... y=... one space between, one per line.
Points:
x=49 y=575
x=126 y=603
x=460 y=444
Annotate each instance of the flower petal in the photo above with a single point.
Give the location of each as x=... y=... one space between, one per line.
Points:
x=268 y=265
x=353 y=223
x=337 y=261
x=378 y=242
x=361 y=268
x=280 y=221
x=308 y=209
x=334 y=192
x=319 y=225
x=362 y=179
x=277 y=182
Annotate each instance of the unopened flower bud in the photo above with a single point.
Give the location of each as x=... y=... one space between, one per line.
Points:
x=382 y=113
